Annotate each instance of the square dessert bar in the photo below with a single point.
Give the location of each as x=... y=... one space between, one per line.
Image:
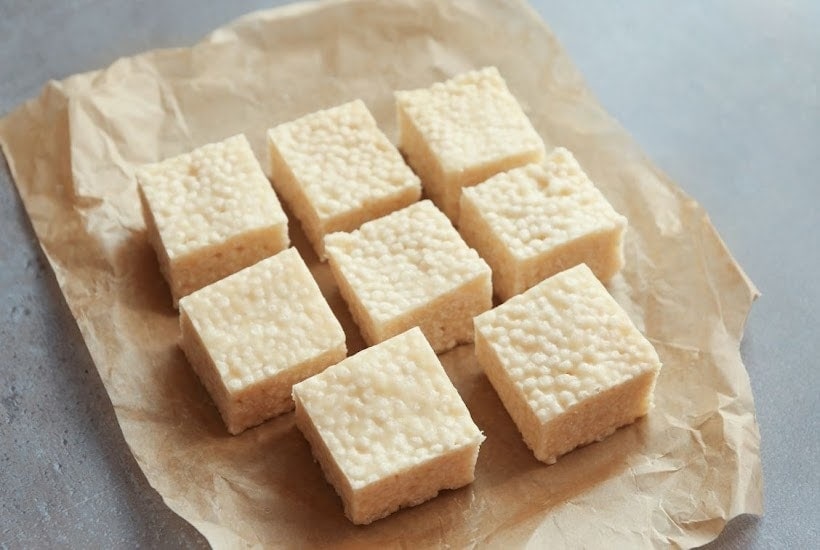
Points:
x=535 y=221
x=411 y=268
x=209 y=213
x=254 y=334
x=460 y=132
x=567 y=362
x=388 y=428
x=337 y=170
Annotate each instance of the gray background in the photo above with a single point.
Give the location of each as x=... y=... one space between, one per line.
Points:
x=722 y=95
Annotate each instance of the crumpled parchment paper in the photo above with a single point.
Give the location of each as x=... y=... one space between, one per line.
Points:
x=672 y=479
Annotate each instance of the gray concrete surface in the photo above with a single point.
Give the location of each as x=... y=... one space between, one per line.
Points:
x=722 y=95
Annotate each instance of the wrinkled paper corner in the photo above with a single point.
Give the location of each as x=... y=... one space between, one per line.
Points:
x=673 y=478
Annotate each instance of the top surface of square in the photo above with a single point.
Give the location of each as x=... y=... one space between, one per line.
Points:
x=564 y=340
x=387 y=409
x=341 y=159
x=262 y=320
x=470 y=120
x=404 y=260
x=535 y=208
x=209 y=195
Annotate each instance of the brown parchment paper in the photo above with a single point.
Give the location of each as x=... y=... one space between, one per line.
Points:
x=672 y=479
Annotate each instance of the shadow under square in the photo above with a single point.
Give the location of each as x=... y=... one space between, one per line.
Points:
x=508 y=476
